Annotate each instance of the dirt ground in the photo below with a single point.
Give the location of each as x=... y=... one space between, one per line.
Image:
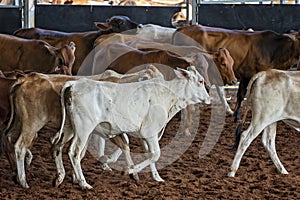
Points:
x=186 y=176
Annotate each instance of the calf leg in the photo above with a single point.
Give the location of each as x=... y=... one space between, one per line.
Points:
x=187 y=115
x=9 y=152
x=75 y=181
x=105 y=160
x=268 y=140
x=57 y=155
x=75 y=151
x=222 y=95
x=21 y=147
x=240 y=97
x=150 y=133
x=28 y=158
x=101 y=150
x=154 y=172
x=246 y=138
x=112 y=158
x=123 y=142
x=154 y=150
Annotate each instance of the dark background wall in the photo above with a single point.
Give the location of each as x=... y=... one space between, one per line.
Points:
x=10 y=19
x=279 y=18
x=82 y=18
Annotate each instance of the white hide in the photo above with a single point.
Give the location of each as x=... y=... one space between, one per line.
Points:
x=273 y=96
x=155 y=33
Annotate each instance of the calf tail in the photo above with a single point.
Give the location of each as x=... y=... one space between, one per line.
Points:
x=64 y=91
x=238 y=130
x=252 y=82
x=13 y=89
x=4 y=140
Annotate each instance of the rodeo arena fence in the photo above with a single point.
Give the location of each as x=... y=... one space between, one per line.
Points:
x=280 y=16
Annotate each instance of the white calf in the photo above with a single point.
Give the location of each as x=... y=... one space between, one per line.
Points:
x=273 y=95
x=112 y=109
x=120 y=140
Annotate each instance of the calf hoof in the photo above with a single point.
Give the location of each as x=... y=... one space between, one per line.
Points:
x=105 y=167
x=86 y=186
x=57 y=181
x=74 y=179
x=159 y=179
x=135 y=176
x=103 y=159
x=283 y=171
x=187 y=132
x=25 y=185
x=229 y=112
x=230 y=174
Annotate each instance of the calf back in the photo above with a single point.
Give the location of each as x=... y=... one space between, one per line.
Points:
x=84 y=41
x=35 y=55
x=252 y=51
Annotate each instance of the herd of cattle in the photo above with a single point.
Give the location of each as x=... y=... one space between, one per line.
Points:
x=132 y=78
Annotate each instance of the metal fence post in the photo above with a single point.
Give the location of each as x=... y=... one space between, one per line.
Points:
x=26 y=13
x=195 y=11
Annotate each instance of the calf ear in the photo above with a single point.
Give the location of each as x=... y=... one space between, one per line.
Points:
x=192 y=69
x=72 y=46
x=102 y=26
x=212 y=56
x=182 y=73
x=51 y=49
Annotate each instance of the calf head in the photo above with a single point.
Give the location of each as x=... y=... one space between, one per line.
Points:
x=179 y=20
x=65 y=58
x=117 y=24
x=224 y=63
x=195 y=91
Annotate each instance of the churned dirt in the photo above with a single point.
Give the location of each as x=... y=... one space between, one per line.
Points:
x=187 y=177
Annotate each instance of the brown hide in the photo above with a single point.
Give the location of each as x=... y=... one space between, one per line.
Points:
x=5 y=85
x=7 y=80
x=252 y=51
x=84 y=40
x=34 y=55
x=221 y=58
x=131 y=61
